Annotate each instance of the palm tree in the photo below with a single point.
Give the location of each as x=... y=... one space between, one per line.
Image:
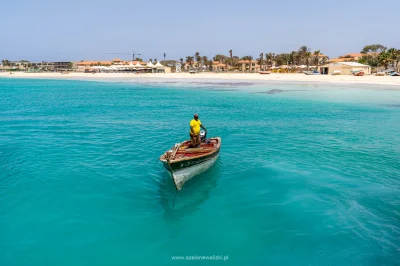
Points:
x=397 y=58
x=231 y=56
x=204 y=60
x=198 y=58
x=317 y=54
x=286 y=58
x=260 y=60
x=281 y=59
x=268 y=58
x=5 y=62
x=271 y=58
x=304 y=49
x=393 y=54
x=292 y=58
x=210 y=63
x=302 y=52
x=250 y=59
x=190 y=60
x=307 y=57
x=384 y=59
x=165 y=55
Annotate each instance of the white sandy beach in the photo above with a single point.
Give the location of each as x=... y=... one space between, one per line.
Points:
x=274 y=77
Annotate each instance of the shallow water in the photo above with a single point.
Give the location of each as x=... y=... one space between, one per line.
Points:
x=304 y=177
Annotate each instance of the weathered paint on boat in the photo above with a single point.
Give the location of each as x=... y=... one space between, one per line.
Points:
x=181 y=176
x=184 y=169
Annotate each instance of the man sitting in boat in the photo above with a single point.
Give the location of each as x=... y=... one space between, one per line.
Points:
x=195 y=126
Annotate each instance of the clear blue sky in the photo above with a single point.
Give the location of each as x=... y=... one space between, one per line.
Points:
x=87 y=29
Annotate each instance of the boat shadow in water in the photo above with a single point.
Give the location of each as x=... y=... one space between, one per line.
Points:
x=179 y=203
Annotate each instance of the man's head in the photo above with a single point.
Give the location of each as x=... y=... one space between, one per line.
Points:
x=196 y=116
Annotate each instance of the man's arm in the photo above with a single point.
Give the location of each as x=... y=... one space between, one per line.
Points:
x=203 y=127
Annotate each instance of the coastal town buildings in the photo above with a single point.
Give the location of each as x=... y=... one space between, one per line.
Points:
x=192 y=65
x=42 y=66
x=87 y=64
x=118 y=65
x=51 y=66
x=218 y=66
x=295 y=62
x=249 y=65
x=346 y=58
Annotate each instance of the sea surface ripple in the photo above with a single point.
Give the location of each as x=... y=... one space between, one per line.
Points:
x=301 y=179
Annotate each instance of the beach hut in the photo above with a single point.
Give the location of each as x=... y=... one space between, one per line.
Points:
x=344 y=68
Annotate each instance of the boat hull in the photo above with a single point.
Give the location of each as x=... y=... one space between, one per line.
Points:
x=181 y=176
x=181 y=172
x=188 y=162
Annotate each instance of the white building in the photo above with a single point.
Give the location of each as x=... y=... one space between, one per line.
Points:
x=344 y=68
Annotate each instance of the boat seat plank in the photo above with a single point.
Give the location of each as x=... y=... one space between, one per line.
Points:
x=196 y=151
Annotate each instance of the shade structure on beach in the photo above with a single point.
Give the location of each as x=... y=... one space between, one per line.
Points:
x=131 y=66
x=158 y=65
x=150 y=64
x=302 y=66
x=101 y=68
x=283 y=66
x=138 y=65
x=273 y=67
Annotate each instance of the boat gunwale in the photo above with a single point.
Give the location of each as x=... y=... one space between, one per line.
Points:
x=194 y=157
x=212 y=156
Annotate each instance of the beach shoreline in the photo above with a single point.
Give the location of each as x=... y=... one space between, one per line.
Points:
x=253 y=78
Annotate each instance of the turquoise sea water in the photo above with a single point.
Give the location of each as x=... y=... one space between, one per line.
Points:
x=306 y=176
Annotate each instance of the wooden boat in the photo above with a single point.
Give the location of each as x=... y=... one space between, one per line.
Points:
x=358 y=73
x=392 y=73
x=184 y=162
x=315 y=72
x=380 y=74
x=264 y=72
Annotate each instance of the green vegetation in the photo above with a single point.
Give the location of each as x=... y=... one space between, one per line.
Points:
x=377 y=55
x=303 y=56
x=5 y=62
